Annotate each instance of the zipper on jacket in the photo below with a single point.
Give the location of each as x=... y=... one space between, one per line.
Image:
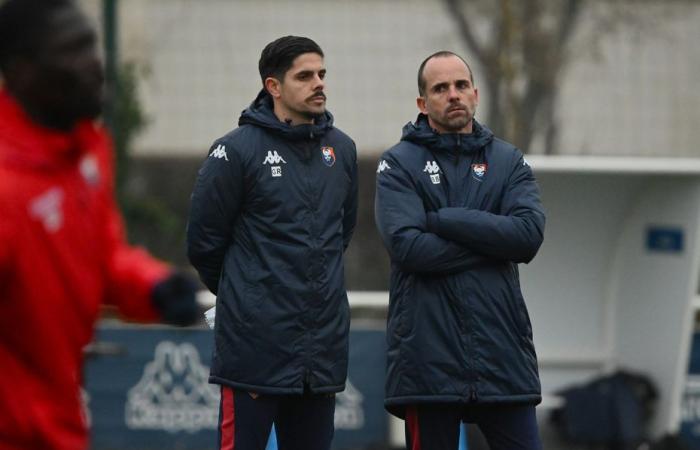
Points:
x=307 y=148
x=473 y=396
x=459 y=148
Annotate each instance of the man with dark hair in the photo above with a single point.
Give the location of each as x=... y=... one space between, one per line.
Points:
x=62 y=246
x=272 y=212
x=457 y=210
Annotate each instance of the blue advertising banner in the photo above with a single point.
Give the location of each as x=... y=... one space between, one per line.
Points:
x=149 y=390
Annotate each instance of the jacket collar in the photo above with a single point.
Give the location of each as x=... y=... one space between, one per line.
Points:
x=260 y=113
x=420 y=133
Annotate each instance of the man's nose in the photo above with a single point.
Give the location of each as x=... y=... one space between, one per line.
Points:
x=452 y=93
x=318 y=83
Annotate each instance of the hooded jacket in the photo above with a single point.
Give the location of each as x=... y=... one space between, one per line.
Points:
x=272 y=211
x=62 y=253
x=457 y=213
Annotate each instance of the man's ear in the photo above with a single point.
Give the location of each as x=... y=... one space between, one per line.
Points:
x=273 y=87
x=420 y=102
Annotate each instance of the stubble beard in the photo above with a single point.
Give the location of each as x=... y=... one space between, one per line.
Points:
x=454 y=125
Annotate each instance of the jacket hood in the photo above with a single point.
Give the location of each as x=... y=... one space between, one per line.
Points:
x=260 y=113
x=420 y=133
x=23 y=142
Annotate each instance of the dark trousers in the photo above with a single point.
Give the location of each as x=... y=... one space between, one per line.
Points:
x=302 y=422
x=505 y=427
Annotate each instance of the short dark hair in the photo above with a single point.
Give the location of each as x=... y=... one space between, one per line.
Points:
x=440 y=54
x=23 y=26
x=279 y=55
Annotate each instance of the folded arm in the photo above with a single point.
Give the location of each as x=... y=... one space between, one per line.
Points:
x=401 y=221
x=514 y=234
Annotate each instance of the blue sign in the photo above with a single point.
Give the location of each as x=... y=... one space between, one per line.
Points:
x=665 y=239
x=151 y=390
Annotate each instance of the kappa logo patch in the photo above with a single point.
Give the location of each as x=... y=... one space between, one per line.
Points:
x=383 y=165
x=48 y=209
x=219 y=152
x=432 y=168
x=274 y=158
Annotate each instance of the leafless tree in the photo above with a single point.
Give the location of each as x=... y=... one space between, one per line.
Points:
x=522 y=48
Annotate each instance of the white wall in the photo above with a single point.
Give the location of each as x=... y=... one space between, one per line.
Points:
x=599 y=298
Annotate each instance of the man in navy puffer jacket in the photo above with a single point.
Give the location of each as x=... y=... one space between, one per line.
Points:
x=272 y=211
x=457 y=210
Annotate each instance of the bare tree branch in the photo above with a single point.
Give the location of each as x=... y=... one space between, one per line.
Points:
x=465 y=29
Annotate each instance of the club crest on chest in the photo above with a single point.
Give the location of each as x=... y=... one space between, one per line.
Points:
x=479 y=171
x=328 y=156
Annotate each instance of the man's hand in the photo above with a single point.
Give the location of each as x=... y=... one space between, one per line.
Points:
x=176 y=300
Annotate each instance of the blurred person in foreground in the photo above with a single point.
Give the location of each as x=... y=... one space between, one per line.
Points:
x=62 y=245
x=272 y=212
x=458 y=209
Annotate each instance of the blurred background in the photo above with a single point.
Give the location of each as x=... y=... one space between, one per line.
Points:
x=575 y=77
x=603 y=94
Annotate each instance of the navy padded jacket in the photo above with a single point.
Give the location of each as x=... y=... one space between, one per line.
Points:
x=272 y=211
x=456 y=213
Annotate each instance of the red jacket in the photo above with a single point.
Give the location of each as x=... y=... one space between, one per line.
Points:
x=62 y=254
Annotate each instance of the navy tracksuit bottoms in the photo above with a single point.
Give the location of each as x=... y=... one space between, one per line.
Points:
x=302 y=422
x=505 y=427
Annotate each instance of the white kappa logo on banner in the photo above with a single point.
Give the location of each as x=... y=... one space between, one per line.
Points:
x=690 y=406
x=349 y=414
x=174 y=393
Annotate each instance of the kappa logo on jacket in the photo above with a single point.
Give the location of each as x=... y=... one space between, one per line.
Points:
x=432 y=168
x=48 y=209
x=383 y=165
x=274 y=158
x=219 y=152
x=90 y=170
